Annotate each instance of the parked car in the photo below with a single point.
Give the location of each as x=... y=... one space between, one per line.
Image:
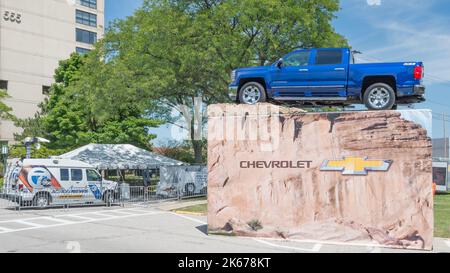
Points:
x=329 y=76
x=45 y=182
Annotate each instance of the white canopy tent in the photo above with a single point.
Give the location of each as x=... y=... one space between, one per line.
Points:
x=119 y=157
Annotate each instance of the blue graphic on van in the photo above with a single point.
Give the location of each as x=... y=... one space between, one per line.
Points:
x=40 y=176
x=95 y=190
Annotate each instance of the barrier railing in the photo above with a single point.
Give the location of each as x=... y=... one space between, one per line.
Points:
x=85 y=196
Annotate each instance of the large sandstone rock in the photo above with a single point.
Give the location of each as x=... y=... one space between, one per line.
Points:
x=249 y=195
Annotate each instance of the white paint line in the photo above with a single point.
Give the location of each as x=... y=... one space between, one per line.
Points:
x=121 y=212
x=24 y=222
x=189 y=218
x=105 y=214
x=136 y=210
x=316 y=247
x=327 y=242
x=141 y=205
x=447 y=242
x=3 y=229
x=73 y=223
x=76 y=216
x=56 y=220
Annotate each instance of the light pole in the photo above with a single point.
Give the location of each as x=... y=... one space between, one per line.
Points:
x=5 y=152
x=33 y=140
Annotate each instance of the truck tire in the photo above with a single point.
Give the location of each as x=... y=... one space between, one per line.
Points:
x=190 y=189
x=252 y=93
x=379 y=96
x=41 y=200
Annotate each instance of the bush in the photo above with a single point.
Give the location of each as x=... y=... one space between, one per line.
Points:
x=255 y=225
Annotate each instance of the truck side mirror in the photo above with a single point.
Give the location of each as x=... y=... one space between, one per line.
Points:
x=280 y=63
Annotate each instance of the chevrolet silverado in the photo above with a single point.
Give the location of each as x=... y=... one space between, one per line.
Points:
x=329 y=76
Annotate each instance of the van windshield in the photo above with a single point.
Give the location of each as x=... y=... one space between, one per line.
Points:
x=93 y=175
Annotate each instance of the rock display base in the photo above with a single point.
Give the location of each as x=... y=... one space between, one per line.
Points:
x=355 y=177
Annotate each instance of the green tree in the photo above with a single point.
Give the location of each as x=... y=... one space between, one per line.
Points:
x=177 y=50
x=88 y=103
x=5 y=110
x=18 y=151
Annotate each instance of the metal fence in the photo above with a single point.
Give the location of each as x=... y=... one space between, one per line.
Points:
x=124 y=194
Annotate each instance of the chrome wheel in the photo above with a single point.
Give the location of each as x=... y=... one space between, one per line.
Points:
x=379 y=97
x=251 y=94
x=42 y=202
x=190 y=188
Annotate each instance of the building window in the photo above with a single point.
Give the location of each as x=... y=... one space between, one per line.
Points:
x=88 y=3
x=45 y=90
x=86 y=18
x=82 y=51
x=3 y=85
x=85 y=36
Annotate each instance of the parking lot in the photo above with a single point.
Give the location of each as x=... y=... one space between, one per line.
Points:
x=140 y=228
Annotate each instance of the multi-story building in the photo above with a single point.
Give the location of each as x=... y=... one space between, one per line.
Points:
x=34 y=36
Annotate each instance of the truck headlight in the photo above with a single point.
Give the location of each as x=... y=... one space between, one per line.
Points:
x=233 y=75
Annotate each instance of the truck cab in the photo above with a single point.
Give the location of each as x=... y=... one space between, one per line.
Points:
x=329 y=76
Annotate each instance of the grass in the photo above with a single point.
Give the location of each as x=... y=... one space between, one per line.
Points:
x=200 y=209
x=442 y=215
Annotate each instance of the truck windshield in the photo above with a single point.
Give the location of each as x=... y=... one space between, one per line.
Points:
x=93 y=175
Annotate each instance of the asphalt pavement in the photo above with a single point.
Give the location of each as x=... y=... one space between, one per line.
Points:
x=141 y=228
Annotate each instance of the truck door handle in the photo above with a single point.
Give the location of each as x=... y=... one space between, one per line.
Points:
x=303 y=70
x=339 y=69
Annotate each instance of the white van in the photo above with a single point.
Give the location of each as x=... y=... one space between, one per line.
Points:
x=45 y=182
x=182 y=180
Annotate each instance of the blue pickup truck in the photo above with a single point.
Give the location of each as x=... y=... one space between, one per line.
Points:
x=329 y=76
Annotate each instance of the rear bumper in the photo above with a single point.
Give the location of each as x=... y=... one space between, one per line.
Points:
x=232 y=92
x=419 y=89
x=407 y=91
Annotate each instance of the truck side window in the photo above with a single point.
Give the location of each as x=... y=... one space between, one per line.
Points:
x=76 y=174
x=64 y=175
x=300 y=58
x=93 y=175
x=328 y=57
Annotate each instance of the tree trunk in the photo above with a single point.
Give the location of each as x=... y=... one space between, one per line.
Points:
x=197 y=145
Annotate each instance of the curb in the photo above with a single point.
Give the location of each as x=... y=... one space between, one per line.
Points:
x=189 y=213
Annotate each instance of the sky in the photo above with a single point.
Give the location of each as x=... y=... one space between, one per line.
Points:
x=384 y=30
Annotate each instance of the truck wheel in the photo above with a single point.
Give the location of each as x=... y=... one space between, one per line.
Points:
x=190 y=189
x=41 y=200
x=379 y=96
x=252 y=93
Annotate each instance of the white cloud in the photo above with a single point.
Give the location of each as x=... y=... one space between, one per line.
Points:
x=374 y=2
x=403 y=31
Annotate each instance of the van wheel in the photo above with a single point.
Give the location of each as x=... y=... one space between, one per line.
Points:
x=252 y=93
x=190 y=189
x=379 y=96
x=41 y=200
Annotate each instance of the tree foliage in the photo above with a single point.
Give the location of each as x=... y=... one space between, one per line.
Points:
x=154 y=64
x=89 y=103
x=5 y=110
x=178 y=50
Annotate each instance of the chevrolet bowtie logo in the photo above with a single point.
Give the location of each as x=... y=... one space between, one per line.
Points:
x=356 y=165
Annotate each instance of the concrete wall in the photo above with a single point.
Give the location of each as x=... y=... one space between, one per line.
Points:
x=30 y=50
